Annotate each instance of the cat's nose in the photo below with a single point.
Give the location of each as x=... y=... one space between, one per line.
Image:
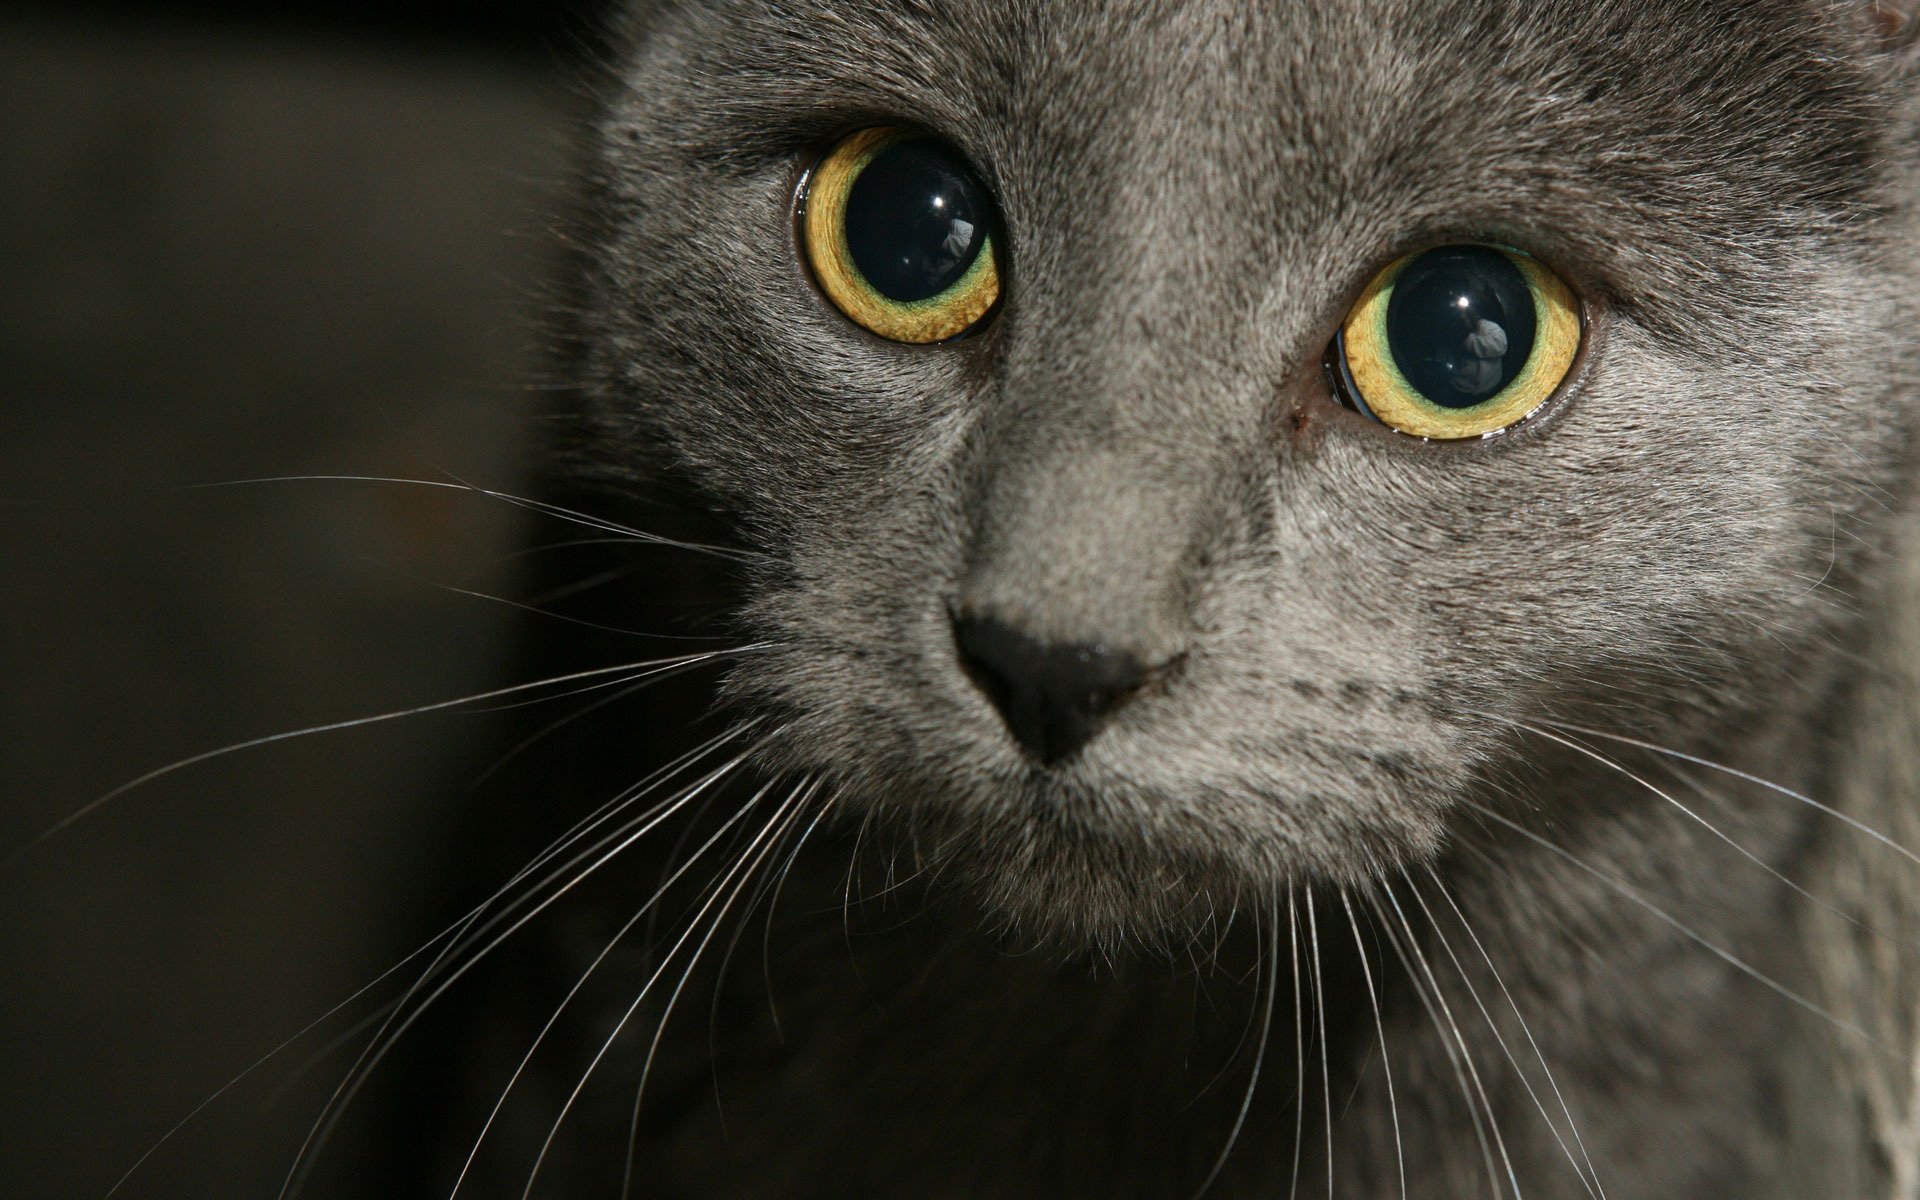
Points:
x=1054 y=696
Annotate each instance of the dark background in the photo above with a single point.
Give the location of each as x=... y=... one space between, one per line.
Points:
x=240 y=241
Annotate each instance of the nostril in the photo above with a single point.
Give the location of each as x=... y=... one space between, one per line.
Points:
x=1054 y=696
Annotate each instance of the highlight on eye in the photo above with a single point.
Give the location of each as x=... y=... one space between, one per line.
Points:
x=1457 y=342
x=898 y=231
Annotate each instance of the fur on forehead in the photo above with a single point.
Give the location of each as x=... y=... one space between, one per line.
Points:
x=1762 y=135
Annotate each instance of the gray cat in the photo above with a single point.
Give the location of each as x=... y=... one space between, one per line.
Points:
x=1342 y=574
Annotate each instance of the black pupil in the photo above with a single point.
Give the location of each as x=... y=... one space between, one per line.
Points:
x=1460 y=324
x=916 y=219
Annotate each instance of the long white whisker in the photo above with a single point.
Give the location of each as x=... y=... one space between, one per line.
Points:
x=566 y=544
x=544 y=613
x=1631 y=893
x=740 y=865
x=1525 y=1029
x=628 y=795
x=1250 y=1030
x=1501 y=1041
x=656 y=671
x=1709 y=826
x=766 y=937
x=1320 y=1021
x=1427 y=987
x=611 y=540
x=778 y=827
x=389 y=1035
x=633 y=671
x=767 y=884
x=853 y=864
x=762 y=885
x=585 y=710
x=1299 y=1047
x=560 y=1009
x=1272 y=972
x=455 y=930
x=539 y=506
x=213 y=1097
x=1380 y=1031
x=1845 y=819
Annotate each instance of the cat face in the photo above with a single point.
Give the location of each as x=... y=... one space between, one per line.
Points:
x=1322 y=625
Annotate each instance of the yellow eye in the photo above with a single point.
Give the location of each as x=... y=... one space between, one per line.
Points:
x=1457 y=342
x=898 y=230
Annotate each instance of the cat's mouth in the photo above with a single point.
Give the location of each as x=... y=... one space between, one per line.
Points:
x=1098 y=794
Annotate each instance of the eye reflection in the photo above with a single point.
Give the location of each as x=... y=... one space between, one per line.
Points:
x=1460 y=324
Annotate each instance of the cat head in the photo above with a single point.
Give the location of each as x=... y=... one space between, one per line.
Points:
x=1140 y=594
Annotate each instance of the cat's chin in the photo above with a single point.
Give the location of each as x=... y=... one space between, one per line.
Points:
x=1075 y=868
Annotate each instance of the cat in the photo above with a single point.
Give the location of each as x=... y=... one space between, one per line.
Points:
x=1194 y=712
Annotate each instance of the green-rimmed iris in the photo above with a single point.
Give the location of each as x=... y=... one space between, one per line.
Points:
x=1458 y=342
x=899 y=232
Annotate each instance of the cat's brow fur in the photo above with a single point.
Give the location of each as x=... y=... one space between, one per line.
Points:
x=1700 y=547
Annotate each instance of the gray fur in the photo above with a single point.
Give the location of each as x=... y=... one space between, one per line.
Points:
x=1700 y=548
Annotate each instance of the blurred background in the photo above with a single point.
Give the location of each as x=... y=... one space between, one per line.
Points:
x=241 y=241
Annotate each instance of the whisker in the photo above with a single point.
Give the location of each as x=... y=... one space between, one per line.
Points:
x=785 y=821
x=1249 y=1031
x=761 y=889
x=99 y=802
x=583 y=585
x=631 y=795
x=1299 y=1048
x=390 y=1035
x=544 y=731
x=1846 y=819
x=540 y=506
x=455 y=930
x=565 y=544
x=766 y=937
x=656 y=671
x=1710 y=827
x=853 y=864
x=212 y=1098
x=1407 y=949
x=549 y=614
x=1500 y=1039
x=1380 y=1031
x=566 y=1001
x=1272 y=972
x=895 y=881
x=1525 y=1029
x=1320 y=1022
x=1629 y=892
x=741 y=864
x=626 y=799
x=1833 y=555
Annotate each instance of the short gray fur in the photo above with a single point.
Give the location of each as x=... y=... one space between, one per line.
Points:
x=1708 y=546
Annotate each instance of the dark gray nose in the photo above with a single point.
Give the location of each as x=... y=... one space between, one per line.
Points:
x=1054 y=696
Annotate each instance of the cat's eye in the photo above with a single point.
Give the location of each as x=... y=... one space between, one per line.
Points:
x=899 y=232
x=1457 y=342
